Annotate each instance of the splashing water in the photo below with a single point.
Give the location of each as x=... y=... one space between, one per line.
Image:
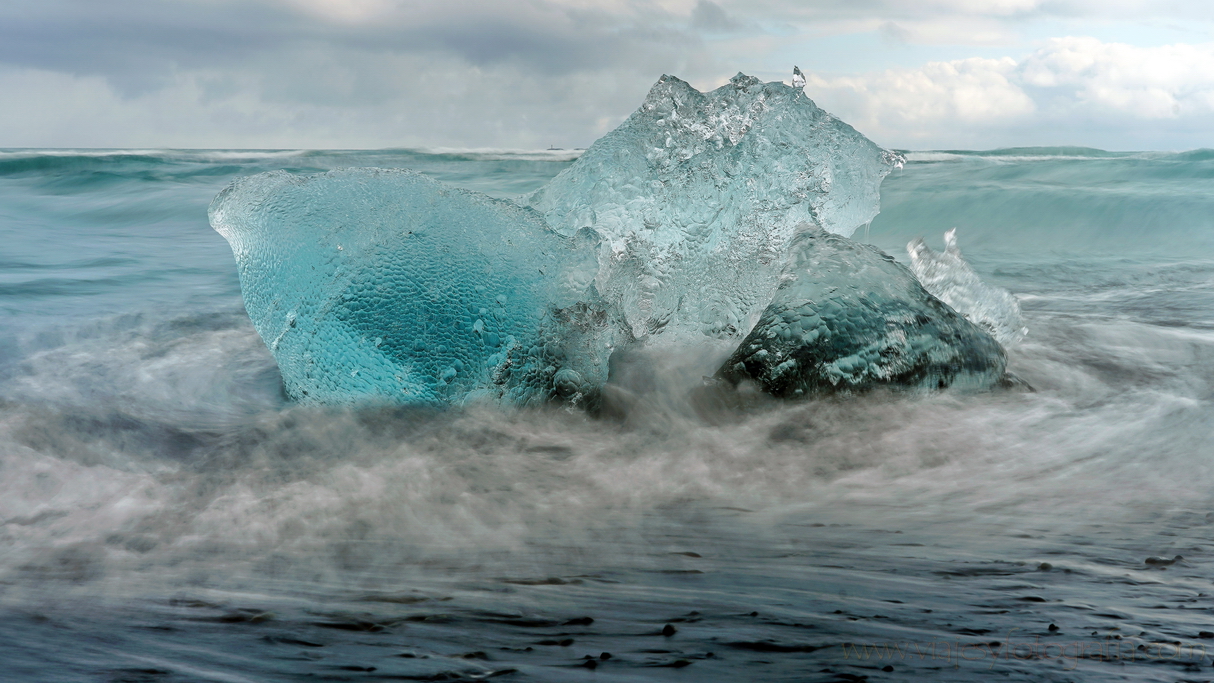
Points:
x=947 y=276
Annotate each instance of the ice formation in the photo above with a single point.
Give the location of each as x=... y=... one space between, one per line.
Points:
x=672 y=231
x=848 y=317
x=697 y=196
x=385 y=285
x=953 y=281
x=798 y=78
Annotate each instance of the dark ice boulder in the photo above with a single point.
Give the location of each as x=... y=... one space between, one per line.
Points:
x=848 y=317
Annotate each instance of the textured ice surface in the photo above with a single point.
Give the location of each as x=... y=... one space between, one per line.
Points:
x=847 y=316
x=674 y=230
x=697 y=196
x=953 y=281
x=372 y=284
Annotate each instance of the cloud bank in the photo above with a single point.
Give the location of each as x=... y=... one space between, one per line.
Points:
x=534 y=73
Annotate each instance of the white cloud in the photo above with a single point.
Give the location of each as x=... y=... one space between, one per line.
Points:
x=916 y=105
x=349 y=11
x=971 y=22
x=1097 y=93
x=1163 y=82
x=968 y=91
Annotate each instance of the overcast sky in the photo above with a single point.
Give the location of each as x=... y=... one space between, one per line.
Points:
x=910 y=74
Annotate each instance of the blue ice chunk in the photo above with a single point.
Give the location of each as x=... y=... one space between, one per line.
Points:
x=384 y=285
x=675 y=229
x=698 y=195
x=849 y=317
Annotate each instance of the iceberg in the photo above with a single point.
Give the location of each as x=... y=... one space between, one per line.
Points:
x=696 y=197
x=848 y=317
x=700 y=216
x=951 y=279
x=385 y=285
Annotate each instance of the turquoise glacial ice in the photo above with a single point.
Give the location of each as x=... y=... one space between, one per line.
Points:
x=698 y=195
x=385 y=285
x=849 y=317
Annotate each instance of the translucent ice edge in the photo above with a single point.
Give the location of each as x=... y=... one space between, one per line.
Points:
x=697 y=197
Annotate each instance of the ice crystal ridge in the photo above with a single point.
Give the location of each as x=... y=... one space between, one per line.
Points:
x=847 y=316
x=673 y=230
x=697 y=196
x=950 y=278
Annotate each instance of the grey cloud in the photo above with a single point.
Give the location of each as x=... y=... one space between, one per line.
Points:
x=894 y=33
x=437 y=72
x=557 y=51
x=262 y=73
x=136 y=44
x=709 y=16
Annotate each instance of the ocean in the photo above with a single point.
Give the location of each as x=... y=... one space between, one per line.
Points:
x=167 y=515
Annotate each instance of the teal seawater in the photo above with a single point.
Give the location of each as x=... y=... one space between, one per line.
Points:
x=89 y=232
x=167 y=515
x=1040 y=202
